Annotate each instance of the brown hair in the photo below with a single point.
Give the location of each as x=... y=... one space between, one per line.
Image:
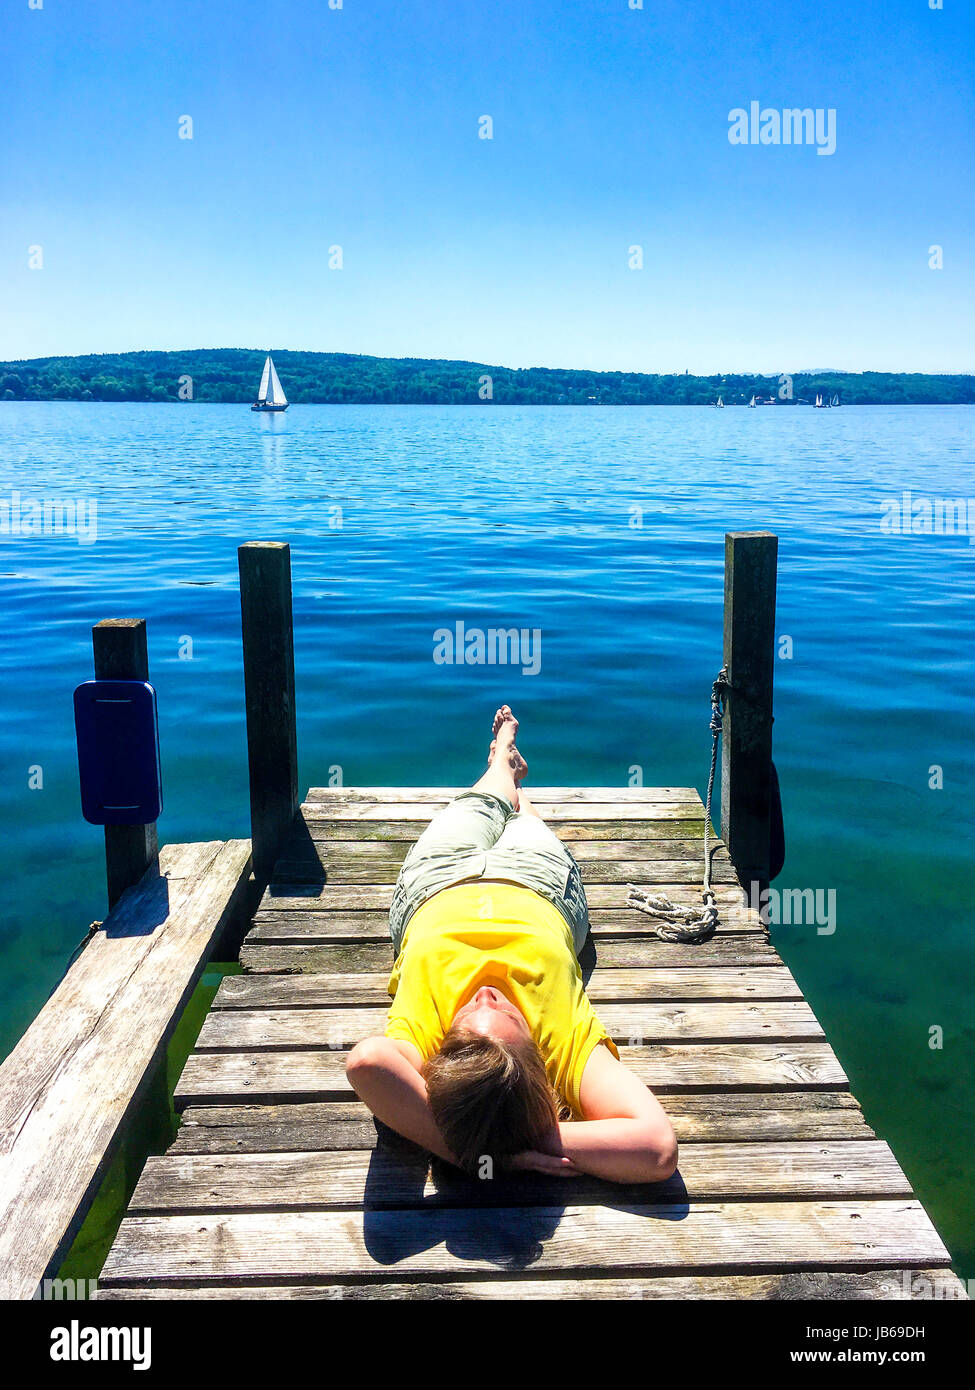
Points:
x=490 y=1098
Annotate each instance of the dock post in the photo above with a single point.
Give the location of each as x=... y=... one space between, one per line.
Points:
x=269 y=694
x=746 y=753
x=121 y=653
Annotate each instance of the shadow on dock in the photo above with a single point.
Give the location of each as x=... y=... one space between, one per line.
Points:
x=143 y=909
x=411 y=1205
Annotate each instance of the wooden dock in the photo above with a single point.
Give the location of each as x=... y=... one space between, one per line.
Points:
x=280 y=1184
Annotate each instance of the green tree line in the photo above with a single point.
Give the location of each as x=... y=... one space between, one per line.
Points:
x=310 y=378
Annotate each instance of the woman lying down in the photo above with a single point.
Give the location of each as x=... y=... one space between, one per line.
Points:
x=492 y=1055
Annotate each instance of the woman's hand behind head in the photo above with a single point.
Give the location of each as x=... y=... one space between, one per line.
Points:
x=534 y=1161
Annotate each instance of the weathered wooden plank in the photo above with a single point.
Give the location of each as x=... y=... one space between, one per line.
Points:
x=345 y=924
x=316 y=927
x=277 y=1128
x=346 y=921
x=791 y=1285
x=736 y=1236
x=379 y=896
x=211 y=1078
x=638 y=1023
x=553 y=812
x=399 y=1175
x=722 y=1117
x=723 y=950
x=338 y=828
x=263 y=959
x=322 y=846
x=304 y=991
x=70 y=1082
x=540 y=796
x=337 y=868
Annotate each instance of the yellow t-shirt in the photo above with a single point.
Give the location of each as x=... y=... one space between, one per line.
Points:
x=498 y=934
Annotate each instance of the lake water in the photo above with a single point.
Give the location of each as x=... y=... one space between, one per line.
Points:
x=602 y=528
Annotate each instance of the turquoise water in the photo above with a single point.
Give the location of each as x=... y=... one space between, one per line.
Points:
x=527 y=518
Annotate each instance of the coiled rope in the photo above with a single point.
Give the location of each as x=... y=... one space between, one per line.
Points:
x=690 y=924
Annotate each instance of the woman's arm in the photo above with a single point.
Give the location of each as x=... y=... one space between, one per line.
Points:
x=626 y=1135
x=383 y=1074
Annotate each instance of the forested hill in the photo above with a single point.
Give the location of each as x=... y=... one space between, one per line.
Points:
x=233 y=375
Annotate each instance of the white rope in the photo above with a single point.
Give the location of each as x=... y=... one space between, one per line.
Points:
x=690 y=924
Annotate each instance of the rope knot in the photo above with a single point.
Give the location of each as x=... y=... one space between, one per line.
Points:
x=689 y=925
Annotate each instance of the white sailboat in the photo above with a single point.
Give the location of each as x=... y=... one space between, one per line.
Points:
x=836 y=400
x=271 y=395
x=751 y=404
x=819 y=401
x=719 y=403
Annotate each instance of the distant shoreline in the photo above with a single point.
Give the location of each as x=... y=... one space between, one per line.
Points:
x=570 y=405
x=231 y=376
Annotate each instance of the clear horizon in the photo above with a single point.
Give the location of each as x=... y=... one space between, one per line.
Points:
x=612 y=129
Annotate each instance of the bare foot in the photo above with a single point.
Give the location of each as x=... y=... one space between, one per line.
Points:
x=505 y=729
x=504 y=716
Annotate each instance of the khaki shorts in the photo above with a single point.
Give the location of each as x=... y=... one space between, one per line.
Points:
x=481 y=836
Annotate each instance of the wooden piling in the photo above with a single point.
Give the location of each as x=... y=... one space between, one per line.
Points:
x=269 y=693
x=121 y=653
x=749 y=655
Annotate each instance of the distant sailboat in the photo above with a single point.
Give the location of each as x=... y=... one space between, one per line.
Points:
x=836 y=400
x=719 y=403
x=751 y=404
x=271 y=394
x=819 y=401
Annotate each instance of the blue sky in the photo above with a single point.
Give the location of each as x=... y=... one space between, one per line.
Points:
x=358 y=127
